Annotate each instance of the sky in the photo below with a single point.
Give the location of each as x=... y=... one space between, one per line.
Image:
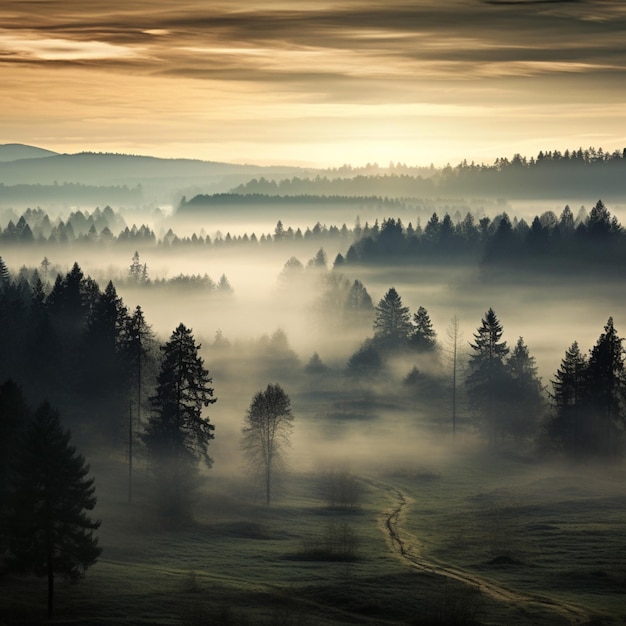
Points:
x=314 y=83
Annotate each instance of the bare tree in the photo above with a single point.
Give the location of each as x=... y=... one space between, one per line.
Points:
x=266 y=431
x=452 y=356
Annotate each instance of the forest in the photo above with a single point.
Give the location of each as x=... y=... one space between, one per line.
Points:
x=299 y=401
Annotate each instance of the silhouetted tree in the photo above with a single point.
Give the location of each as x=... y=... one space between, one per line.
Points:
x=358 y=300
x=266 y=431
x=423 y=337
x=605 y=387
x=392 y=325
x=4 y=275
x=315 y=365
x=487 y=376
x=569 y=425
x=177 y=436
x=49 y=532
x=366 y=361
x=138 y=346
x=223 y=285
x=524 y=391
x=14 y=417
x=135 y=272
x=319 y=261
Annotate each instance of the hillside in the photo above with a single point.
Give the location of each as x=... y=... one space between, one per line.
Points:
x=17 y=151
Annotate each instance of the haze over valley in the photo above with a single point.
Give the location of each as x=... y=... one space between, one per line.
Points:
x=313 y=314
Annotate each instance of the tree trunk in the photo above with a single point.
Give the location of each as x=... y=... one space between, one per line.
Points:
x=50 y=579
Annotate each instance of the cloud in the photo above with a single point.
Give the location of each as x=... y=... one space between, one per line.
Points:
x=246 y=63
x=23 y=46
x=343 y=39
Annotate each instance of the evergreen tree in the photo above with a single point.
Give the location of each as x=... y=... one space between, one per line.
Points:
x=14 y=416
x=137 y=348
x=223 y=285
x=266 y=431
x=487 y=375
x=525 y=392
x=605 y=387
x=103 y=378
x=136 y=270
x=178 y=436
x=568 y=425
x=358 y=300
x=319 y=261
x=423 y=337
x=315 y=365
x=392 y=325
x=50 y=533
x=4 y=275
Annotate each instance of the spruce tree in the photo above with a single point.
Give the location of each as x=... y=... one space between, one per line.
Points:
x=605 y=386
x=567 y=425
x=178 y=436
x=392 y=325
x=525 y=397
x=50 y=533
x=487 y=375
x=423 y=336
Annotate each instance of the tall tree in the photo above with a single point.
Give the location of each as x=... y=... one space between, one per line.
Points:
x=452 y=352
x=50 y=532
x=423 y=336
x=137 y=348
x=266 y=432
x=568 y=423
x=178 y=436
x=525 y=395
x=14 y=417
x=487 y=375
x=605 y=385
x=392 y=325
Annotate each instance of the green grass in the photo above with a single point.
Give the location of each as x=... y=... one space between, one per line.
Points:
x=239 y=562
x=549 y=531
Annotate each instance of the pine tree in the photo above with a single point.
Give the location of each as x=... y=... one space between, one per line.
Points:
x=524 y=392
x=50 y=533
x=423 y=337
x=178 y=436
x=605 y=386
x=392 y=326
x=358 y=300
x=5 y=278
x=487 y=375
x=567 y=425
x=137 y=343
x=135 y=271
x=14 y=416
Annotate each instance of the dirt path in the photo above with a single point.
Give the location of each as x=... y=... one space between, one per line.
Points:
x=407 y=548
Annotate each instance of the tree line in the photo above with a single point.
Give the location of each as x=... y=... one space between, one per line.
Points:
x=580 y=171
x=587 y=240
x=581 y=414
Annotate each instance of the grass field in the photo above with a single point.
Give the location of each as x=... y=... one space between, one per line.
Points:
x=556 y=534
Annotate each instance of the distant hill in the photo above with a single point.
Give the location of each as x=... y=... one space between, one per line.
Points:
x=17 y=151
x=161 y=180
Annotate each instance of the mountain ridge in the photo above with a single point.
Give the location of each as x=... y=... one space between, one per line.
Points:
x=20 y=151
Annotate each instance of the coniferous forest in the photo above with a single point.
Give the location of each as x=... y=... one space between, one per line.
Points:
x=388 y=395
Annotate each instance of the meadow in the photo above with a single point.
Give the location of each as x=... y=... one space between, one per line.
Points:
x=472 y=539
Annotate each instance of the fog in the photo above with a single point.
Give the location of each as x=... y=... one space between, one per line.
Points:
x=263 y=318
x=549 y=311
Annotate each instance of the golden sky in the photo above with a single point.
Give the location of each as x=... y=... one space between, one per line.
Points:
x=322 y=83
